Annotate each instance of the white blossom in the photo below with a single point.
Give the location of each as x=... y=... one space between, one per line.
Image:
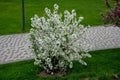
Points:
x=55 y=40
x=71 y=65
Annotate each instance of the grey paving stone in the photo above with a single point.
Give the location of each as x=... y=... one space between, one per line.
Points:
x=16 y=47
x=102 y=38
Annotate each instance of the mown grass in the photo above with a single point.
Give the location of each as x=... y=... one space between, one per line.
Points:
x=104 y=65
x=10 y=12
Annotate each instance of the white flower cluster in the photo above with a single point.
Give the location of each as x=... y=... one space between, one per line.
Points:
x=54 y=40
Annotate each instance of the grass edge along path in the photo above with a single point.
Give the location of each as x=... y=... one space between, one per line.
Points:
x=104 y=65
x=11 y=15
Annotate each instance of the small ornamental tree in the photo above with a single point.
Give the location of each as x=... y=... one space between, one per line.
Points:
x=112 y=16
x=55 y=40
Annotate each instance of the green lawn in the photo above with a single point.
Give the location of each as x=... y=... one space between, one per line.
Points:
x=104 y=65
x=10 y=12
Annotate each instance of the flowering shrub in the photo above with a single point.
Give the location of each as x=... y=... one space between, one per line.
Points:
x=113 y=15
x=55 y=40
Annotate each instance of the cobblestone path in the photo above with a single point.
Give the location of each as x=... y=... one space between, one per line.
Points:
x=16 y=47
